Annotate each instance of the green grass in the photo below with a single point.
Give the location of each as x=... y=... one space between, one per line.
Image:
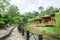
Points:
x=47 y=29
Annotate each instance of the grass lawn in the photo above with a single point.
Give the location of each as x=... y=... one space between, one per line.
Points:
x=48 y=29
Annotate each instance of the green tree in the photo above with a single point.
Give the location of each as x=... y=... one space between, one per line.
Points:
x=35 y=13
x=13 y=11
x=4 y=4
x=41 y=8
x=48 y=11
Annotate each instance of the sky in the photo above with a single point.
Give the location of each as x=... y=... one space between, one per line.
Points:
x=32 y=5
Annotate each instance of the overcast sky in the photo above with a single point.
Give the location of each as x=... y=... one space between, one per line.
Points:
x=30 y=5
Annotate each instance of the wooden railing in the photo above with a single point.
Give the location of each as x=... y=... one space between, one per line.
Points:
x=33 y=36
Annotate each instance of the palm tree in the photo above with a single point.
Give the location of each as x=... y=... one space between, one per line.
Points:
x=40 y=8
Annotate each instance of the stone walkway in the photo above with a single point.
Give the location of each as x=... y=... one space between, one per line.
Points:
x=4 y=32
x=15 y=35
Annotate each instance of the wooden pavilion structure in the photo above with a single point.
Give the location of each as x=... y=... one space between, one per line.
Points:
x=48 y=20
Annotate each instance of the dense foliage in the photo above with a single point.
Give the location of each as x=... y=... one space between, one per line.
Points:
x=58 y=22
x=9 y=14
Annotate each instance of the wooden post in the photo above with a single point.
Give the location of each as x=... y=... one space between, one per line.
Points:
x=27 y=37
x=40 y=37
x=23 y=32
x=20 y=29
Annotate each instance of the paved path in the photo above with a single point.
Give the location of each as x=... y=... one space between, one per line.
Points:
x=4 y=32
x=15 y=35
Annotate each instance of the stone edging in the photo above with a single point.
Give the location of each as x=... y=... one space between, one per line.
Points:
x=52 y=34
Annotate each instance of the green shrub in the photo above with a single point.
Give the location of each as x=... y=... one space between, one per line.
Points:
x=58 y=23
x=0 y=16
x=2 y=24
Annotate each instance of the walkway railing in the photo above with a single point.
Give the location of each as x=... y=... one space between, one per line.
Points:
x=32 y=36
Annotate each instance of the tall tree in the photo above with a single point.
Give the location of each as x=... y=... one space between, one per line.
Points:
x=4 y=4
x=40 y=8
x=13 y=11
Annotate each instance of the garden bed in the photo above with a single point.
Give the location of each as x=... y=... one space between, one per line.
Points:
x=2 y=26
